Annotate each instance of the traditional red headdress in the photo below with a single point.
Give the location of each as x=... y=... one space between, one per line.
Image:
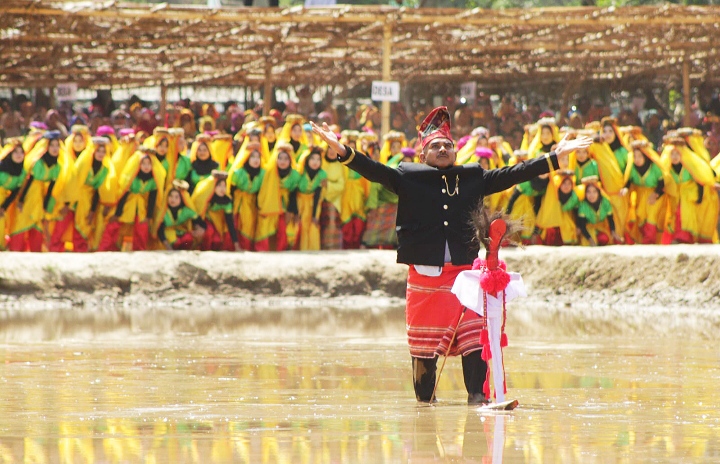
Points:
x=435 y=125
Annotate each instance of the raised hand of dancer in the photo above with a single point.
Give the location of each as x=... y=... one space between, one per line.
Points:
x=330 y=138
x=567 y=146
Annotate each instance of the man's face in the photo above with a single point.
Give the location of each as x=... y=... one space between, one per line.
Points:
x=439 y=153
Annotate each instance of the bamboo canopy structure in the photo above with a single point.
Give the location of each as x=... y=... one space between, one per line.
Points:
x=108 y=44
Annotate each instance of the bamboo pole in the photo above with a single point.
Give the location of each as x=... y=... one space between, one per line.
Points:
x=163 y=102
x=530 y=17
x=686 y=91
x=386 y=74
x=267 y=93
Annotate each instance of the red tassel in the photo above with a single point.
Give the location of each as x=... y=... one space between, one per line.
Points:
x=479 y=263
x=503 y=340
x=494 y=281
x=486 y=388
x=486 y=355
x=484 y=339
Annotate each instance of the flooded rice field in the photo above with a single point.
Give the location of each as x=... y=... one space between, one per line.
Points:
x=176 y=387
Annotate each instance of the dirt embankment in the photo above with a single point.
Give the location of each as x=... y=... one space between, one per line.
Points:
x=639 y=276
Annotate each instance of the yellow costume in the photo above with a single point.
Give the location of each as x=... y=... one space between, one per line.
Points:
x=689 y=220
x=12 y=177
x=273 y=199
x=85 y=184
x=613 y=181
x=221 y=149
x=245 y=183
x=35 y=193
x=137 y=190
x=556 y=214
x=83 y=131
x=536 y=147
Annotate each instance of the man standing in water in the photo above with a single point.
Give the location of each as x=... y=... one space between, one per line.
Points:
x=435 y=238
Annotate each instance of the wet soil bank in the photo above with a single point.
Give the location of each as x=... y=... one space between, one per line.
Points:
x=579 y=289
x=606 y=291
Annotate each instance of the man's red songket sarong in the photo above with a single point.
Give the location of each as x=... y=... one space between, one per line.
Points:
x=432 y=312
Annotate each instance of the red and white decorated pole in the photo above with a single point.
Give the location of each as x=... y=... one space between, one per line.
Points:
x=485 y=290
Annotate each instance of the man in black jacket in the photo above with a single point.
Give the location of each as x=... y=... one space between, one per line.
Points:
x=436 y=240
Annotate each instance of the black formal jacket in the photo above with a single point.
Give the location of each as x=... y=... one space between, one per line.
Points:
x=428 y=216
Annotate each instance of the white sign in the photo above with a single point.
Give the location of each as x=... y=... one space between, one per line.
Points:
x=66 y=92
x=385 y=91
x=468 y=91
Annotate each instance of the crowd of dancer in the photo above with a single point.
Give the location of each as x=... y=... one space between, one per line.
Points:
x=237 y=181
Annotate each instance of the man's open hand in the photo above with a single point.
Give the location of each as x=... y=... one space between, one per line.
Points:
x=330 y=138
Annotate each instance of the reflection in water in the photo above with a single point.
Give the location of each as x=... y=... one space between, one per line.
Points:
x=224 y=399
x=120 y=322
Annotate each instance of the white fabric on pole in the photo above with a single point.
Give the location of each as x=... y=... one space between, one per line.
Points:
x=470 y=294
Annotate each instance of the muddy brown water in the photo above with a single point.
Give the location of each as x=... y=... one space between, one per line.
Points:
x=333 y=386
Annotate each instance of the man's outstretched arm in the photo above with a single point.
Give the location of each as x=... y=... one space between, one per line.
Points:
x=358 y=162
x=498 y=180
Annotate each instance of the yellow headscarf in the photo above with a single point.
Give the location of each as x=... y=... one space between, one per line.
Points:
x=530 y=132
x=200 y=140
x=244 y=153
x=204 y=120
x=389 y=138
x=84 y=131
x=9 y=147
x=160 y=134
x=221 y=149
x=536 y=144
x=31 y=139
x=131 y=169
x=204 y=191
x=108 y=190
x=66 y=169
x=291 y=121
x=699 y=169
x=269 y=201
x=694 y=139
x=181 y=186
x=126 y=147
